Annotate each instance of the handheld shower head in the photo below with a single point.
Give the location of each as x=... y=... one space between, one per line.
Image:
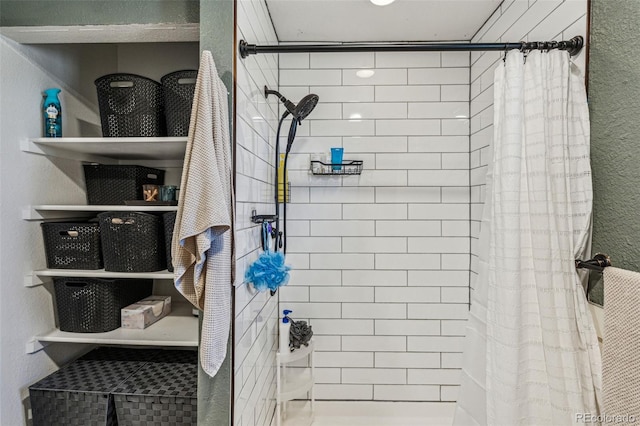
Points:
x=305 y=106
x=300 y=111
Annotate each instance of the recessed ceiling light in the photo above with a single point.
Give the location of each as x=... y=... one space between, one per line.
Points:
x=382 y=2
x=365 y=73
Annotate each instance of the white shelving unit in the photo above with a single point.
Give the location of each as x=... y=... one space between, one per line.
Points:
x=290 y=385
x=178 y=329
x=59 y=211
x=108 y=150
x=40 y=276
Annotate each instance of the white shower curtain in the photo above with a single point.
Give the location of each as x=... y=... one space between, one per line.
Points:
x=531 y=354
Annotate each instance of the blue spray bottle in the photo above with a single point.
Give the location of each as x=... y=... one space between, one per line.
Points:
x=52 y=111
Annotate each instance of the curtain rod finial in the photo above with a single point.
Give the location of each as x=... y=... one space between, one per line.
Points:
x=246 y=49
x=577 y=43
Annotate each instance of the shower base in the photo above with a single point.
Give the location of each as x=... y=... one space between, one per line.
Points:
x=369 y=413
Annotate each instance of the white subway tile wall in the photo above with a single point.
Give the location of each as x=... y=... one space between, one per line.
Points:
x=378 y=282
x=512 y=21
x=256 y=313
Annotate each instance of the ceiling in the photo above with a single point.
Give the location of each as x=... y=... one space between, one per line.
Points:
x=361 y=21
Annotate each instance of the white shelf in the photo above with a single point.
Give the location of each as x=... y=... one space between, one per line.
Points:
x=296 y=385
x=124 y=33
x=178 y=329
x=297 y=354
x=109 y=150
x=64 y=211
x=38 y=277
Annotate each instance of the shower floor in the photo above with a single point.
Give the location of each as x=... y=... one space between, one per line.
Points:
x=369 y=413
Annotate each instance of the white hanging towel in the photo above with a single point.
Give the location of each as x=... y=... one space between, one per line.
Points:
x=621 y=343
x=202 y=249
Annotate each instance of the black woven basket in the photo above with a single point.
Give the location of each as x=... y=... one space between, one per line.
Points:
x=132 y=242
x=158 y=394
x=175 y=356
x=178 y=88
x=110 y=353
x=170 y=356
x=92 y=305
x=114 y=184
x=130 y=105
x=169 y=220
x=72 y=245
x=79 y=394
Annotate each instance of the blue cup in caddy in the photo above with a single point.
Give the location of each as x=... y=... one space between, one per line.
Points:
x=336 y=158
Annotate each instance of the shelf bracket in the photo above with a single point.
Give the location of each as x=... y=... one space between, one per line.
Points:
x=27 y=145
x=33 y=213
x=35 y=345
x=34 y=280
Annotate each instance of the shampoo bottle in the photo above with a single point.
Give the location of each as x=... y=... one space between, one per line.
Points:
x=285 y=327
x=283 y=181
x=52 y=111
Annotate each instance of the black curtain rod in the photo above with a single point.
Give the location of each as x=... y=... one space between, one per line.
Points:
x=573 y=46
x=598 y=263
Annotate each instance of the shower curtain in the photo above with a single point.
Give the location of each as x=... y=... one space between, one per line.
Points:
x=531 y=354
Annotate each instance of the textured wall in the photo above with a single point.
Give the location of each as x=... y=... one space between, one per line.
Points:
x=214 y=394
x=86 y=12
x=614 y=95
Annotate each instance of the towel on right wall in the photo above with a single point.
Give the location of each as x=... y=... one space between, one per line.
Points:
x=621 y=357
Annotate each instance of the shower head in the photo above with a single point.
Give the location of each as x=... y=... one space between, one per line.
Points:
x=305 y=106
x=299 y=112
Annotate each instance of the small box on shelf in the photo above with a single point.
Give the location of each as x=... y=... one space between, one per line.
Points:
x=145 y=312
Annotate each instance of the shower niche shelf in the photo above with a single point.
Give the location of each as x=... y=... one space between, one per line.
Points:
x=349 y=167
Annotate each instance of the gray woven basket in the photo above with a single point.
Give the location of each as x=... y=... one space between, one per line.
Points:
x=159 y=394
x=79 y=394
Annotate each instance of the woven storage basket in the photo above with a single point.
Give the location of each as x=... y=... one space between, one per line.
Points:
x=158 y=394
x=175 y=356
x=178 y=88
x=171 y=356
x=169 y=220
x=92 y=305
x=72 y=245
x=110 y=353
x=79 y=394
x=114 y=184
x=132 y=242
x=130 y=105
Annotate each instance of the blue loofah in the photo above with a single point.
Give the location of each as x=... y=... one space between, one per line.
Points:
x=268 y=271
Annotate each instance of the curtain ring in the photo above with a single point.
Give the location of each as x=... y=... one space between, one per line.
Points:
x=523 y=46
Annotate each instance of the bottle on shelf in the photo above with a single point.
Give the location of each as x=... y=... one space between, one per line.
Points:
x=283 y=181
x=52 y=111
x=285 y=327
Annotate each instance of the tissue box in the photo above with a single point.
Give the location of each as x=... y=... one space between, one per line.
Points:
x=145 y=312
